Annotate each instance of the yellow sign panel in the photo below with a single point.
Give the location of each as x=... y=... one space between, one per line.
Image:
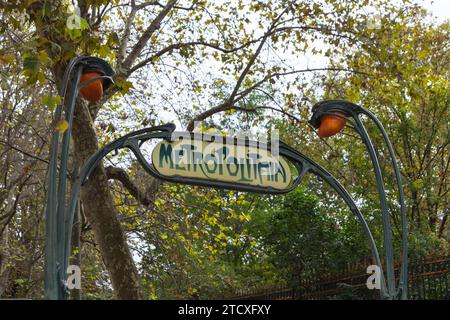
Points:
x=218 y=161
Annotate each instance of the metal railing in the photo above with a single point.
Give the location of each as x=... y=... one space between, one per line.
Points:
x=429 y=278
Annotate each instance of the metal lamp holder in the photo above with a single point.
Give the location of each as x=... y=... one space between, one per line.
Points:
x=354 y=111
x=56 y=232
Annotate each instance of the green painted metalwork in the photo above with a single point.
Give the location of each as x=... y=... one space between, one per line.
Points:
x=354 y=111
x=56 y=231
x=134 y=140
x=59 y=217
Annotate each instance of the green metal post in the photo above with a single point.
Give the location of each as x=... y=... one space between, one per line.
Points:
x=353 y=110
x=55 y=261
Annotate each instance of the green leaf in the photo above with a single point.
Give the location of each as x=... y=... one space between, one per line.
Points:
x=124 y=86
x=51 y=101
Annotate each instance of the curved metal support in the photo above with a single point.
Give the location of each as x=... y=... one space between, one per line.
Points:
x=147 y=133
x=56 y=195
x=403 y=285
x=388 y=246
x=353 y=110
x=319 y=171
x=59 y=218
x=61 y=200
x=133 y=140
x=55 y=265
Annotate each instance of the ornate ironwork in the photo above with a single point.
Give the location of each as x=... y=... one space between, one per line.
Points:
x=332 y=107
x=59 y=217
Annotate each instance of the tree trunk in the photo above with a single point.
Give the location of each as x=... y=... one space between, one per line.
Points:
x=101 y=213
x=4 y=255
x=442 y=226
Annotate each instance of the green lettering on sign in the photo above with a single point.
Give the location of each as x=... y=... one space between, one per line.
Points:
x=217 y=161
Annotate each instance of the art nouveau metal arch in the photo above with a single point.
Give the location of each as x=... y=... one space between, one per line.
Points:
x=59 y=217
x=134 y=140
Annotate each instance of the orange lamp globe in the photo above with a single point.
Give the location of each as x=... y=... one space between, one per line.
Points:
x=330 y=125
x=94 y=90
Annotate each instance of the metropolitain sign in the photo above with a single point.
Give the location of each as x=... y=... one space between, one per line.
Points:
x=223 y=163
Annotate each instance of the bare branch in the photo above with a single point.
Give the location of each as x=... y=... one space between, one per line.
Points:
x=227 y=105
x=126 y=35
x=272 y=32
x=176 y=46
x=230 y=101
x=154 y=25
x=7 y=144
x=255 y=55
x=121 y=175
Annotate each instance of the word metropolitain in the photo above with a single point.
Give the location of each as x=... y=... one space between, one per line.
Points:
x=239 y=163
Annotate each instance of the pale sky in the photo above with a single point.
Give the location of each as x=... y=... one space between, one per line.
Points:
x=439 y=8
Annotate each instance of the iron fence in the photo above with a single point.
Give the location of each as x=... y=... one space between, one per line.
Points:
x=428 y=279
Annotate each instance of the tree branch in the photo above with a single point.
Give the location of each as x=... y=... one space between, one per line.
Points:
x=175 y=46
x=7 y=144
x=227 y=105
x=142 y=197
x=154 y=25
x=255 y=55
x=126 y=35
x=231 y=99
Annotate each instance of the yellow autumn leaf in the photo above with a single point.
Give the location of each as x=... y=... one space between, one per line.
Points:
x=6 y=59
x=61 y=126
